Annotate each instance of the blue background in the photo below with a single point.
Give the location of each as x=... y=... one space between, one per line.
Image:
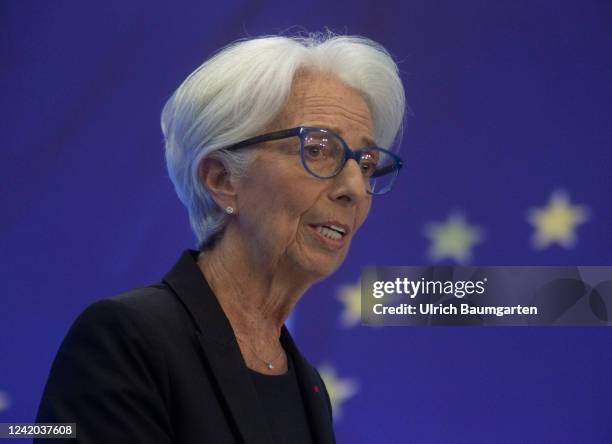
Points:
x=510 y=101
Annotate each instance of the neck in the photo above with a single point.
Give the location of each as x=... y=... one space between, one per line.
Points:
x=256 y=294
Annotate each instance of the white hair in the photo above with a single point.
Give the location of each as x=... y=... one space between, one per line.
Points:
x=240 y=90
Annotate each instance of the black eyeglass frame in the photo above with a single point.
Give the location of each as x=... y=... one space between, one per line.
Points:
x=302 y=132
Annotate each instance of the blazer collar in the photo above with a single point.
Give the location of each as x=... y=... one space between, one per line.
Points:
x=221 y=350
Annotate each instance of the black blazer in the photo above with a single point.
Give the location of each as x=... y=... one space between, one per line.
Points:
x=161 y=364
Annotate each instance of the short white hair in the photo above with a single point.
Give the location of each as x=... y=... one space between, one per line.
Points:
x=240 y=90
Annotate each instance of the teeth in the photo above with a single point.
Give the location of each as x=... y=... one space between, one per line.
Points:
x=337 y=228
x=329 y=233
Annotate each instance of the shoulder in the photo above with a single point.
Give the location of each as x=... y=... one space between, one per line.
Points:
x=125 y=326
x=111 y=369
x=156 y=304
x=133 y=330
x=142 y=310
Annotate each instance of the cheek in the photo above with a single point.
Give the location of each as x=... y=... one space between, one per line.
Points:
x=294 y=201
x=274 y=206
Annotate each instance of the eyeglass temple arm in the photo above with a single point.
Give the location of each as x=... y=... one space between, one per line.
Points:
x=388 y=169
x=265 y=138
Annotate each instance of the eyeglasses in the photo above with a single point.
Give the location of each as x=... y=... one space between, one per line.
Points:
x=324 y=154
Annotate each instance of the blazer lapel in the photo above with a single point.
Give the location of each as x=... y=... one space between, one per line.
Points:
x=312 y=393
x=221 y=350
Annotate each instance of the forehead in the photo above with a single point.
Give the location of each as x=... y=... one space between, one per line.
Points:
x=323 y=100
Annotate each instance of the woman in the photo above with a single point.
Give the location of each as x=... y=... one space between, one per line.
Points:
x=272 y=146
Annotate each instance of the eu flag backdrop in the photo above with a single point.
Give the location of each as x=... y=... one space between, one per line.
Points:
x=507 y=153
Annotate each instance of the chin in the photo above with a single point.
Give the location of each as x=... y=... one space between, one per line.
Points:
x=318 y=263
x=325 y=267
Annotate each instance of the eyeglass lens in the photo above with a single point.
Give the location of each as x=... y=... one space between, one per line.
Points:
x=324 y=157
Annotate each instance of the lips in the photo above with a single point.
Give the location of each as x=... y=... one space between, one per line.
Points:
x=332 y=234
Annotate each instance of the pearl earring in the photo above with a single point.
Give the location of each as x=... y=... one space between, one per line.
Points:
x=229 y=210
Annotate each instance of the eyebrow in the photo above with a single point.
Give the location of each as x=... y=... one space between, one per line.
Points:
x=368 y=141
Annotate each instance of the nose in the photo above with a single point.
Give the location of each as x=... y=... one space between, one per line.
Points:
x=349 y=185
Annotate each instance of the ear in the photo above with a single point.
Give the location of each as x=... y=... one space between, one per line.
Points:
x=216 y=179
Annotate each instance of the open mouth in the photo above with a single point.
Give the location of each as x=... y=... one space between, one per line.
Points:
x=331 y=234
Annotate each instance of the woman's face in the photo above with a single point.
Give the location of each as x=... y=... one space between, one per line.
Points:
x=282 y=209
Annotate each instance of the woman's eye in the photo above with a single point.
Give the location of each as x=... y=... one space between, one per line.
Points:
x=313 y=151
x=367 y=169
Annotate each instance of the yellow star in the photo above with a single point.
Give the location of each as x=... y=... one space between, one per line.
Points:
x=350 y=296
x=453 y=239
x=339 y=389
x=557 y=222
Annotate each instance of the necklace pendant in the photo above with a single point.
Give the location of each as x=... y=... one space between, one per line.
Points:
x=270 y=366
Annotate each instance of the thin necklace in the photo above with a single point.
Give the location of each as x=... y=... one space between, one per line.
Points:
x=268 y=363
